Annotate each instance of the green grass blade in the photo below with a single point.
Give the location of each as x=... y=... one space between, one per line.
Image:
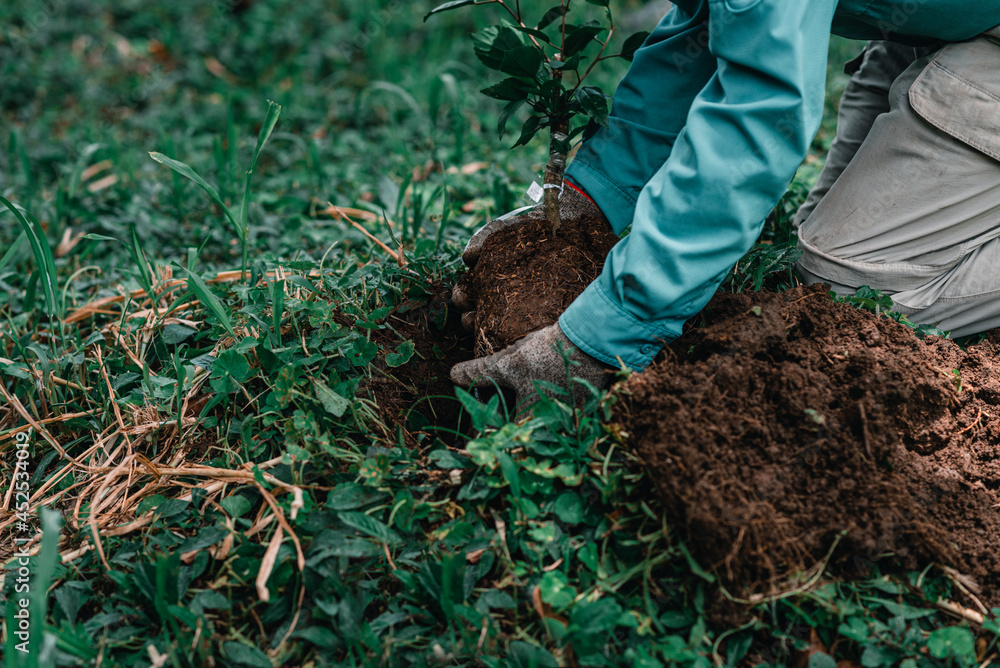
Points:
x=185 y=170
x=453 y=4
x=139 y=257
x=273 y=111
x=277 y=306
x=45 y=567
x=208 y=299
x=42 y=251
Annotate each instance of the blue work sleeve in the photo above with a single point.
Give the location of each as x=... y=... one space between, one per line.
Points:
x=747 y=132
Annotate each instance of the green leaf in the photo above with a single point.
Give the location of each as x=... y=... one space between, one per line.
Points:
x=71 y=597
x=591 y=622
x=231 y=363
x=208 y=299
x=206 y=537
x=572 y=63
x=532 y=31
x=569 y=508
x=579 y=38
x=142 y=263
x=555 y=590
x=229 y=371
x=236 y=505
x=490 y=44
x=632 y=44
x=44 y=259
x=43 y=570
x=149 y=503
x=594 y=103
x=273 y=112
x=528 y=130
x=402 y=355
x=509 y=469
x=599 y=3
x=321 y=637
x=349 y=495
x=284 y=385
x=244 y=655
x=510 y=89
x=551 y=15
x=482 y=415
x=525 y=655
x=521 y=61
x=176 y=333
x=505 y=115
x=677 y=619
x=821 y=660
x=185 y=170
x=952 y=641
x=277 y=307
x=737 y=648
x=993 y=625
x=370 y=526
x=210 y=600
x=453 y=4
x=333 y=403
x=879 y=657
x=172 y=507
x=100 y=237
x=446 y=459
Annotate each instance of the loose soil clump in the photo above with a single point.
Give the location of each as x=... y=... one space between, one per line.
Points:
x=526 y=277
x=788 y=421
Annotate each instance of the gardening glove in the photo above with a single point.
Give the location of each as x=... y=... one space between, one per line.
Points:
x=535 y=357
x=572 y=204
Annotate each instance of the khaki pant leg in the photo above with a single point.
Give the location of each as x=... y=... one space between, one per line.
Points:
x=917 y=210
x=865 y=98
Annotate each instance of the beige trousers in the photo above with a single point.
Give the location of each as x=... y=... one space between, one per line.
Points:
x=909 y=200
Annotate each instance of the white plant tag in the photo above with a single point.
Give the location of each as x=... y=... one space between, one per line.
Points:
x=535 y=192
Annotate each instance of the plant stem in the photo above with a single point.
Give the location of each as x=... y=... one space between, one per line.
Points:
x=554 y=174
x=557 y=163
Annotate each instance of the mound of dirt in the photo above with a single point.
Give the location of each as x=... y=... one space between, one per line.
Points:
x=526 y=277
x=788 y=419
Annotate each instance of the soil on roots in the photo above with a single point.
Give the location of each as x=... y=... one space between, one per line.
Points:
x=787 y=420
x=526 y=277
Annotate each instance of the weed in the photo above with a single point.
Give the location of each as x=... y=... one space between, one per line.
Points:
x=231 y=491
x=881 y=304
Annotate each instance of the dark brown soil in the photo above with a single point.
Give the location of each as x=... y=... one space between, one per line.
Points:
x=526 y=277
x=789 y=419
x=419 y=395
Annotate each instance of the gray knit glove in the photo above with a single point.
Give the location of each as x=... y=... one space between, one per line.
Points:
x=535 y=357
x=571 y=205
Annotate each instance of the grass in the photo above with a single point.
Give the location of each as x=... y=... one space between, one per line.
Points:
x=195 y=351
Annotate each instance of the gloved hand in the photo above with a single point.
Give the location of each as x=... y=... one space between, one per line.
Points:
x=572 y=204
x=535 y=357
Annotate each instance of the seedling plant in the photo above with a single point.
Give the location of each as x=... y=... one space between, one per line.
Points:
x=547 y=63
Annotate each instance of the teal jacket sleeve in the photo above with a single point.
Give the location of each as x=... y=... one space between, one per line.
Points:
x=747 y=132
